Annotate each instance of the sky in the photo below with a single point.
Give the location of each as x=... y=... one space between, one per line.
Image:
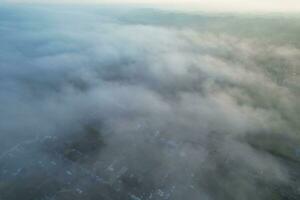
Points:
x=205 y=5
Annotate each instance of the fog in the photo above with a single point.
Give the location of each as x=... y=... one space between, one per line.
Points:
x=130 y=103
x=242 y=6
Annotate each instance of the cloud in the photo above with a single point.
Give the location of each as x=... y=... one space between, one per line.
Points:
x=96 y=106
x=204 y=5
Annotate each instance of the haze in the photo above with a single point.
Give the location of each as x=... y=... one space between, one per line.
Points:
x=134 y=102
x=203 y=5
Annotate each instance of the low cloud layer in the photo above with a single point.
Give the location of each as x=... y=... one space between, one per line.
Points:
x=204 y=5
x=95 y=105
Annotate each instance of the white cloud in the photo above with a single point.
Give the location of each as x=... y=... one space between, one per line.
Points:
x=206 y=5
x=174 y=107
